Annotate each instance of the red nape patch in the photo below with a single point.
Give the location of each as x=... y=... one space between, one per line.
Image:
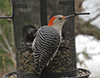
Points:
x=51 y=21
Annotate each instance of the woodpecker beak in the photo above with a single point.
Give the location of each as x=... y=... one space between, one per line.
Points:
x=69 y=16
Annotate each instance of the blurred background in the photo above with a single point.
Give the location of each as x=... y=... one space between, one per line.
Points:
x=87 y=35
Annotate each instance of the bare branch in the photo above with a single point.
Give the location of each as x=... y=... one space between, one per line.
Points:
x=78 y=5
x=0 y=30
x=87 y=29
x=90 y=20
x=8 y=45
x=10 y=49
x=4 y=48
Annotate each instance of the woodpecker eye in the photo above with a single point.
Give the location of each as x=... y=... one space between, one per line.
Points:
x=60 y=18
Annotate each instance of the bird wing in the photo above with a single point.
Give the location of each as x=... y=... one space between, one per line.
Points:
x=45 y=46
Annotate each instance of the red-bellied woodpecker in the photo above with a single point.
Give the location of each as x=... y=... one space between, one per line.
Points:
x=47 y=42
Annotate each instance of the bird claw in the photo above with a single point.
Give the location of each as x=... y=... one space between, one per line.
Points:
x=63 y=43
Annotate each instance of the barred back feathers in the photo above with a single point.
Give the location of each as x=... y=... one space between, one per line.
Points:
x=45 y=47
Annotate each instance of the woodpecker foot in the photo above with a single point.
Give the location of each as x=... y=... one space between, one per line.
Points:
x=63 y=43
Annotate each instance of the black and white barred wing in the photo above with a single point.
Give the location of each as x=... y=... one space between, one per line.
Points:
x=45 y=47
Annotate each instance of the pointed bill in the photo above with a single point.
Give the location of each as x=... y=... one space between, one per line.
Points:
x=69 y=16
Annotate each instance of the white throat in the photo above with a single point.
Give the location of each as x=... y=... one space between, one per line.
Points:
x=59 y=28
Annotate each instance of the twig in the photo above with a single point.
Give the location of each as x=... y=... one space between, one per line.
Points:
x=90 y=20
x=0 y=30
x=3 y=62
x=8 y=45
x=4 y=48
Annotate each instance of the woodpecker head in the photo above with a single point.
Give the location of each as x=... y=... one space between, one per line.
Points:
x=59 y=20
